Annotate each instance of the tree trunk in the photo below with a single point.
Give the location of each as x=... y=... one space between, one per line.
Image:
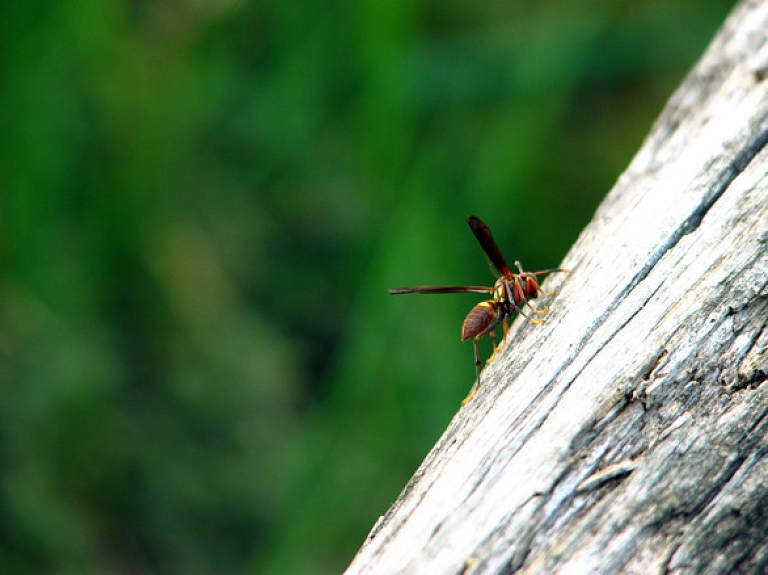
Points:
x=627 y=434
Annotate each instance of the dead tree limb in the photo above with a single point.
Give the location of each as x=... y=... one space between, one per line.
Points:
x=627 y=434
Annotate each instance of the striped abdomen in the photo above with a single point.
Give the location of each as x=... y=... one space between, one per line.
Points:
x=478 y=319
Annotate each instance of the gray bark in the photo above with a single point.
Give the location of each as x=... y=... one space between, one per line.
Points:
x=627 y=434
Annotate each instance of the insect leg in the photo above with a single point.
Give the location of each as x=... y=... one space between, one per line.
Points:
x=514 y=302
x=478 y=361
x=541 y=273
x=535 y=309
x=472 y=393
x=478 y=364
x=489 y=329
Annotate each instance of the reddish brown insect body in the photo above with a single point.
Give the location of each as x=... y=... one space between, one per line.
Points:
x=479 y=318
x=510 y=292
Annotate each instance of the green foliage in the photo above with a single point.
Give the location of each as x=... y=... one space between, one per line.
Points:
x=202 y=205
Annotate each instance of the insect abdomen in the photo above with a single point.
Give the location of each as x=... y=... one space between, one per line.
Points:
x=479 y=318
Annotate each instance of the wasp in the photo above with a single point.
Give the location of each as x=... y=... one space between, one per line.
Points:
x=510 y=293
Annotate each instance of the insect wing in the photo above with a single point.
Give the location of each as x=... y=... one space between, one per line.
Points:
x=483 y=235
x=442 y=289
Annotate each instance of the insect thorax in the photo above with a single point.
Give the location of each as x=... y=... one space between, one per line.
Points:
x=500 y=290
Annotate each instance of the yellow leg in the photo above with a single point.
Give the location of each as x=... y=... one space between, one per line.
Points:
x=536 y=309
x=493 y=355
x=496 y=348
x=472 y=393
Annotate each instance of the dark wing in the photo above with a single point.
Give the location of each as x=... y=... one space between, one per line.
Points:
x=483 y=235
x=442 y=289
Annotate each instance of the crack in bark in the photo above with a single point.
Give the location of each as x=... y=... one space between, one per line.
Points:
x=706 y=531
x=755 y=144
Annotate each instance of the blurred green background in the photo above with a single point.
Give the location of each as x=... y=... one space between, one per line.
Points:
x=202 y=205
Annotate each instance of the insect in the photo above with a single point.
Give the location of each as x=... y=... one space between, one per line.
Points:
x=511 y=292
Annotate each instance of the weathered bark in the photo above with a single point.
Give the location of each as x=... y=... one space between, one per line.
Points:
x=627 y=434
